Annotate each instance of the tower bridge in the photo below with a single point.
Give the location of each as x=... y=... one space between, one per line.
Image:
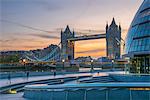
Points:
x=68 y=38
x=112 y=36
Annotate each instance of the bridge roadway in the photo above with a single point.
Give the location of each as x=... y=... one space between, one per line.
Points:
x=88 y=37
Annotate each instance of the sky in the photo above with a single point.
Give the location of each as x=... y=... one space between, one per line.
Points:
x=35 y=24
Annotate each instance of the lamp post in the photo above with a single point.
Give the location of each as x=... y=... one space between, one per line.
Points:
x=128 y=66
x=92 y=65
x=112 y=64
x=63 y=63
x=24 y=62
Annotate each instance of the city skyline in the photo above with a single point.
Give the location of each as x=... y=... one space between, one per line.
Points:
x=27 y=33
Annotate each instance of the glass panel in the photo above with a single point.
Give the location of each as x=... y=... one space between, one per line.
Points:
x=140 y=64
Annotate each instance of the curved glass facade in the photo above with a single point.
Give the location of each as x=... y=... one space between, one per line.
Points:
x=138 y=40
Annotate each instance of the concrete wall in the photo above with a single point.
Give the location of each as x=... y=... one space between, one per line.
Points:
x=31 y=74
x=87 y=94
x=130 y=77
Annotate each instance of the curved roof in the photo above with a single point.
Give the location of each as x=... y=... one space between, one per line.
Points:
x=138 y=37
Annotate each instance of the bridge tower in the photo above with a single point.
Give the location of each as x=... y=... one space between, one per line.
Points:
x=113 y=36
x=67 y=47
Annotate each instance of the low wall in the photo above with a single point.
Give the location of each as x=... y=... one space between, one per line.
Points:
x=93 y=94
x=106 y=91
x=130 y=77
x=24 y=74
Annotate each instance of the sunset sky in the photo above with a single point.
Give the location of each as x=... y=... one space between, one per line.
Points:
x=35 y=24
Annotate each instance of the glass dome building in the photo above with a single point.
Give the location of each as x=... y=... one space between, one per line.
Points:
x=138 y=40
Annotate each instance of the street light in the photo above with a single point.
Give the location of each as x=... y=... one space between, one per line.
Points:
x=112 y=64
x=92 y=64
x=24 y=62
x=63 y=60
x=128 y=67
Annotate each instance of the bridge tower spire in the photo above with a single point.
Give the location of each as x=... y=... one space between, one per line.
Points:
x=106 y=26
x=67 y=47
x=113 y=35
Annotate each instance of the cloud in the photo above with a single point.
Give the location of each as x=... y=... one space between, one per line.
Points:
x=90 y=51
x=10 y=47
x=46 y=36
x=31 y=46
x=5 y=40
x=25 y=26
x=50 y=5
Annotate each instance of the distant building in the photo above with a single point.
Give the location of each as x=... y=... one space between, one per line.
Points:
x=43 y=52
x=11 y=56
x=104 y=59
x=46 y=54
x=137 y=47
x=35 y=54
x=83 y=59
x=113 y=36
x=12 y=53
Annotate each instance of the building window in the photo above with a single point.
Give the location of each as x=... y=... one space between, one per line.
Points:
x=140 y=64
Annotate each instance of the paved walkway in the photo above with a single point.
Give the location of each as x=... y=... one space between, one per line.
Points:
x=5 y=82
x=18 y=96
